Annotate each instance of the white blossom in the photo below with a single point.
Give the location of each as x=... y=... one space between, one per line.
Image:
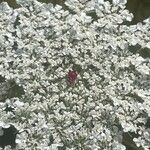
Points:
x=106 y=92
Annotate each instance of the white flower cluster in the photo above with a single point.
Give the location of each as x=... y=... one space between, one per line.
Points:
x=40 y=43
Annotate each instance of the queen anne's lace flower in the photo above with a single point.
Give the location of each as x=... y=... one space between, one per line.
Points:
x=39 y=43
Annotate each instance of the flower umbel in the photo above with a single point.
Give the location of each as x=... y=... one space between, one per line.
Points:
x=46 y=49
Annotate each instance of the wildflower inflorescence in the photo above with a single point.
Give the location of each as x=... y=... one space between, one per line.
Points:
x=39 y=44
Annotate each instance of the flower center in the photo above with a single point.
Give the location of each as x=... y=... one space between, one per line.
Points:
x=72 y=75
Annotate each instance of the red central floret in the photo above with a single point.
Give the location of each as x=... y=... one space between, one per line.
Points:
x=72 y=75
